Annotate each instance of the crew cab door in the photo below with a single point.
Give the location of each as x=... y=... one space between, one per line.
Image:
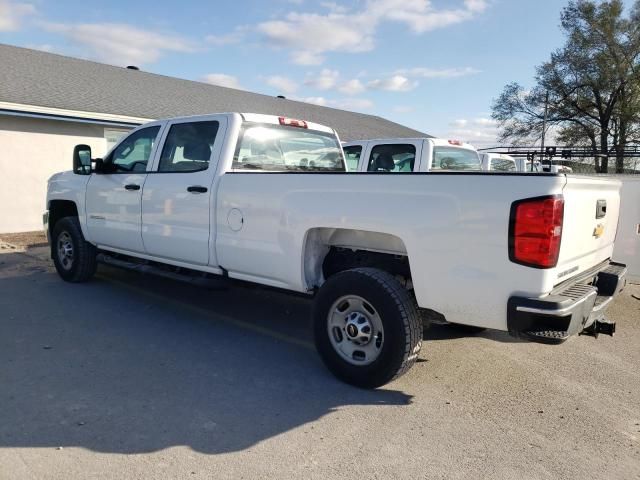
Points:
x=177 y=202
x=113 y=197
x=393 y=156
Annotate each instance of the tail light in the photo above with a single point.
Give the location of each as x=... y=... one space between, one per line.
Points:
x=292 y=122
x=535 y=231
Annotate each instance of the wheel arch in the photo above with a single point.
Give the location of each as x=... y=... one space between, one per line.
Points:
x=325 y=248
x=59 y=209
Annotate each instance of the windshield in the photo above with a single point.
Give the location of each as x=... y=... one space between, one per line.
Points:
x=281 y=148
x=452 y=158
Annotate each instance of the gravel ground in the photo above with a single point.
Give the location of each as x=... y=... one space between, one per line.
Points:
x=24 y=240
x=131 y=376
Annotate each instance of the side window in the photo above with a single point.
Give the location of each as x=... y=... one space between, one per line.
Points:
x=134 y=151
x=352 y=156
x=188 y=147
x=397 y=158
x=503 y=165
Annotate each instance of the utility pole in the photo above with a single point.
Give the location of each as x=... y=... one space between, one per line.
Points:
x=544 y=127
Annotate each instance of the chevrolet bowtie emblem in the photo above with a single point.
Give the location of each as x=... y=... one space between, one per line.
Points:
x=598 y=231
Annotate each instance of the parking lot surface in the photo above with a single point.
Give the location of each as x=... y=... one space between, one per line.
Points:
x=133 y=376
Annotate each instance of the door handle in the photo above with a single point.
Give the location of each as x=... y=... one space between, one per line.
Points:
x=132 y=187
x=196 y=189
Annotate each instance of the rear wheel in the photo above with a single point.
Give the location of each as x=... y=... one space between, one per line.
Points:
x=73 y=257
x=367 y=327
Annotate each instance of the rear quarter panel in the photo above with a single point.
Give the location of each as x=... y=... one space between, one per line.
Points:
x=454 y=227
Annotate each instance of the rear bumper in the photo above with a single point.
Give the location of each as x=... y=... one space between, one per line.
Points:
x=570 y=310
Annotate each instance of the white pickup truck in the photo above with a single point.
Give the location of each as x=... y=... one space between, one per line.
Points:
x=265 y=199
x=405 y=155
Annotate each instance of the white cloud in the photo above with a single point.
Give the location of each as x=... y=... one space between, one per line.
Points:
x=395 y=83
x=423 y=72
x=307 y=58
x=120 y=44
x=328 y=79
x=311 y=35
x=480 y=132
x=352 y=87
x=12 y=14
x=222 y=80
x=325 y=80
x=461 y=122
x=283 y=84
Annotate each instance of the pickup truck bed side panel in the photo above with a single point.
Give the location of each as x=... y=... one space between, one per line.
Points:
x=455 y=229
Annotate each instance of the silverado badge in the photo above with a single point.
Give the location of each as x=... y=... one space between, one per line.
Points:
x=598 y=231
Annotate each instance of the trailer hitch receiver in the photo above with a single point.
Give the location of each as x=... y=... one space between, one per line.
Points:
x=603 y=326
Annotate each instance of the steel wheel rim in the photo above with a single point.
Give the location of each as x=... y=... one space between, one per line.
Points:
x=355 y=330
x=65 y=250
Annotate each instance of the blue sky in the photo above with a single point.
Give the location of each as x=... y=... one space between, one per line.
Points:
x=433 y=65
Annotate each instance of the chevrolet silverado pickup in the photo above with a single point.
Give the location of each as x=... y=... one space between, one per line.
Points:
x=266 y=199
x=405 y=155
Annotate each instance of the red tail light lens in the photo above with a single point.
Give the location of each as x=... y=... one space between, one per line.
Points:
x=535 y=231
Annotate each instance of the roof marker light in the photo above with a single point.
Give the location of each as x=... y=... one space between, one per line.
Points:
x=292 y=122
x=455 y=142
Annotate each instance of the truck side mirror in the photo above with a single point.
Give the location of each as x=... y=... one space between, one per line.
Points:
x=82 y=160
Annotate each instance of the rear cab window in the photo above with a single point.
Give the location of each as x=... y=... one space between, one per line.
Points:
x=392 y=157
x=503 y=165
x=280 y=148
x=453 y=158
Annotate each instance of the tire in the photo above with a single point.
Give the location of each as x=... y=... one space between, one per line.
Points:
x=78 y=262
x=372 y=298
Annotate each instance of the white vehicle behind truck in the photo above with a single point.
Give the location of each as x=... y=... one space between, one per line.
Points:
x=501 y=162
x=405 y=155
x=266 y=199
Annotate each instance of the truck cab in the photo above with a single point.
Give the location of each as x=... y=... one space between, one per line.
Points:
x=405 y=155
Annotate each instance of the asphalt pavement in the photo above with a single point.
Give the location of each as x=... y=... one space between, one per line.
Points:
x=134 y=376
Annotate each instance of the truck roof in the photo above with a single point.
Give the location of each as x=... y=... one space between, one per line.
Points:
x=254 y=117
x=440 y=142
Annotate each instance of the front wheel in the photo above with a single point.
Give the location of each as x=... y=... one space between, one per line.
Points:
x=73 y=257
x=367 y=327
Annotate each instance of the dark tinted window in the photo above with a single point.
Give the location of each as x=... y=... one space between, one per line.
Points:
x=397 y=158
x=188 y=147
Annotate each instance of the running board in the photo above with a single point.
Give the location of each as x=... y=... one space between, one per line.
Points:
x=194 y=277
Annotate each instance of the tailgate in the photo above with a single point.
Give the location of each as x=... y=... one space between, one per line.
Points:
x=591 y=213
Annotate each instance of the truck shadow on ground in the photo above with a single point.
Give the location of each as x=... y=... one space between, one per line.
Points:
x=104 y=367
x=451 y=332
